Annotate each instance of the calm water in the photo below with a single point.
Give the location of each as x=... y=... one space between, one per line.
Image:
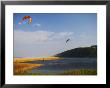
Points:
x=57 y=66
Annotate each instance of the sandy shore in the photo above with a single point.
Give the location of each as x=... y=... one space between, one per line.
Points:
x=17 y=60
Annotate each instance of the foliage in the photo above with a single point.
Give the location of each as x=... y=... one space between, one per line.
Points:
x=80 y=52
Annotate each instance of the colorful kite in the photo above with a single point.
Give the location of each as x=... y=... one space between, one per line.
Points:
x=26 y=18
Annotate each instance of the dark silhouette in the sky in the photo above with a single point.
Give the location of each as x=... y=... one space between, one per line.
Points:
x=67 y=40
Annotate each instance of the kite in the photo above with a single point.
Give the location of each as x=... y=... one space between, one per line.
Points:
x=26 y=18
x=67 y=40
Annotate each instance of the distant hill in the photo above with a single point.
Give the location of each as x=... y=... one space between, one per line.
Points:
x=80 y=52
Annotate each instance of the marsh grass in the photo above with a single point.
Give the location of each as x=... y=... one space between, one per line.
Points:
x=80 y=72
x=21 y=68
x=67 y=72
x=19 y=60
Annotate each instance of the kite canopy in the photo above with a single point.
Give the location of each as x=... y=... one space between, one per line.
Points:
x=25 y=18
x=67 y=40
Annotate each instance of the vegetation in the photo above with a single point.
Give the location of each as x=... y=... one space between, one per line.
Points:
x=21 y=68
x=80 y=52
x=80 y=72
x=67 y=72
x=19 y=60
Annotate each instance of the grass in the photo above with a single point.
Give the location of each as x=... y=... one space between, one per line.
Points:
x=19 y=60
x=67 y=72
x=21 y=68
x=80 y=72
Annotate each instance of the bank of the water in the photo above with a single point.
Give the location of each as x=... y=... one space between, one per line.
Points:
x=65 y=66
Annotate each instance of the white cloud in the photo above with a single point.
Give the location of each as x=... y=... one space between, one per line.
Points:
x=39 y=36
x=36 y=25
x=38 y=43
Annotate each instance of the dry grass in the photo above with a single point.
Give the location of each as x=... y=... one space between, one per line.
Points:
x=20 y=68
x=18 y=60
x=80 y=72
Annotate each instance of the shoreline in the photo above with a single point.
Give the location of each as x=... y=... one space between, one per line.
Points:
x=20 y=67
x=19 y=60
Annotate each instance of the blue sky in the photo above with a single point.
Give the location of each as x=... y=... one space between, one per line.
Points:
x=47 y=33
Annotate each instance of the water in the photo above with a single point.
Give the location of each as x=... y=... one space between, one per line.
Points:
x=56 y=66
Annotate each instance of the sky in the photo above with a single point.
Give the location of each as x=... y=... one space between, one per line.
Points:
x=46 y=35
